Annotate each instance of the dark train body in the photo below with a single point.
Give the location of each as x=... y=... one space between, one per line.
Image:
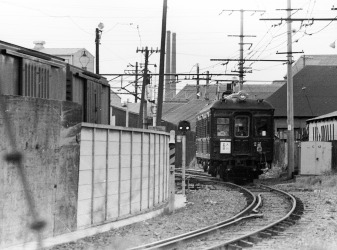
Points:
x=234 y=137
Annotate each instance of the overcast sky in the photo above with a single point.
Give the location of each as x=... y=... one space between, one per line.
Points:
x=202 y=29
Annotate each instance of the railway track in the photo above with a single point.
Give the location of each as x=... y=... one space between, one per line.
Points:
x=268 y=212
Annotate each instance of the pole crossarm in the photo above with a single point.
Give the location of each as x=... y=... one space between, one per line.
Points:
x=298 y=19
x=262 y=11
x=248 y=60
x=242 y=36
x=293 y=52
x=179 y=74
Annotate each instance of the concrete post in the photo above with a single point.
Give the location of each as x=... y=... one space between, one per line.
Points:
x=172 y=172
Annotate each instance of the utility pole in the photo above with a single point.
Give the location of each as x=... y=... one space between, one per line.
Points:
x=290 y=92
x=241 y=62
x=136 y=83
x=198 y=88
x=161 y=66
x=207 y=86
x=142 y=118
x=290 y=98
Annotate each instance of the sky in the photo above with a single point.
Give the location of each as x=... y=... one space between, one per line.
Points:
x=204 y=31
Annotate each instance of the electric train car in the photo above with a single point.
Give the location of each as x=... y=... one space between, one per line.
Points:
x=235 y=137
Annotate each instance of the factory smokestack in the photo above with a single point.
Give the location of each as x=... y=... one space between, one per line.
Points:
x=174 y=65
x=168 y=66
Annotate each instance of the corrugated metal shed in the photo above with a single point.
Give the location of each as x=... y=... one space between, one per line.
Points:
x=90 y=90
x=323 y=117
x=30 y=73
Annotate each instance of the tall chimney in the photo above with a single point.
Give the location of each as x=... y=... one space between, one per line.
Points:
x=168 y=65
x=39 y=45
x=174 y=64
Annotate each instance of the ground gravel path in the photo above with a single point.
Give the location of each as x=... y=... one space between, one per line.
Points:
x=204 y=207
x=316 y=230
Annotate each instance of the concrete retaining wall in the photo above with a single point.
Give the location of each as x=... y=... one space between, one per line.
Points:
x=123 y=172
x=80 y=175
x=45 y=132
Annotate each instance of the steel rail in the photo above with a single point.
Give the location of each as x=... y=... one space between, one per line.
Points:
x=166 y=243
x=256 y=232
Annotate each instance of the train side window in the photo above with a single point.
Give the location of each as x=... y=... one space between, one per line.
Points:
x=261 y=126
x=241 y=126
x=222 y=127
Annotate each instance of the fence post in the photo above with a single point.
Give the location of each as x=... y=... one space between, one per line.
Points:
x=172 y=168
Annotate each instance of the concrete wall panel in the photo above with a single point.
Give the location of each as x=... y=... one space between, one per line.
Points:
x=84 y=192
x=113 y=187
x=113 y=161
x=113 y=174
x=129 y=170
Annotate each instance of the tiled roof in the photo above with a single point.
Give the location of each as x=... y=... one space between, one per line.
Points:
x=255 y=91
x=185 y=112
x=315 y=93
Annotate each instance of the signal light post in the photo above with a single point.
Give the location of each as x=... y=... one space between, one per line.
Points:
x=183 y=127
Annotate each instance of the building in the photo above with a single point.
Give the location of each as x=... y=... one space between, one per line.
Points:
x=318 y=60
x=79 y=57
x=315 y=94
x=323 y=128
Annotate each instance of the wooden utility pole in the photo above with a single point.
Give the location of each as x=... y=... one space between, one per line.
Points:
x=290 y=92
x=290 y=97
x=142 y=118
x=136 y=83
x=161 y=66
x=143 y=103
x=207 y=86
x=241 y=61
x=198 y=88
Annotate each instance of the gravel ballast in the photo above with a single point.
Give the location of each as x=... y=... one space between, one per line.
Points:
x=204 y=207
x=316 y=230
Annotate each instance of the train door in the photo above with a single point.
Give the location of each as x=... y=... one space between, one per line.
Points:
x=242 y=136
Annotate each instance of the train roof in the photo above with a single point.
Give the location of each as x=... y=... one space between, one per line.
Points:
x=236 y=104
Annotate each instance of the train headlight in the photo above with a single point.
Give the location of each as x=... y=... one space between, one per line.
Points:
x=242 y=97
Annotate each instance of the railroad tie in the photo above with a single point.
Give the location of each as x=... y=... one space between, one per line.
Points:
x=244 y=243
x=254 y=239
x=265 y=234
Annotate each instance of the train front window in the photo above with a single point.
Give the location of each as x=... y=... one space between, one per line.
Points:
x=222 y=127
x=261 y=126
x=241 y=126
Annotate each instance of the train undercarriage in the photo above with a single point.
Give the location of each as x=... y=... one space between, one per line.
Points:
x=235 y=170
